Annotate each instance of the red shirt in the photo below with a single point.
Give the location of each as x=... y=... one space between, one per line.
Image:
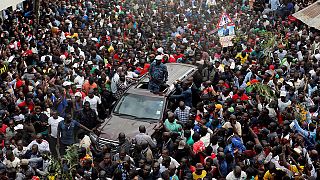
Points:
x=177 y=56
x=248 y=50
x=145 y=69
x=116 y=56
x=192 y=168
x=244 y=97
x=27 y=53
x=226 y=85
x=172 y=59
x=19 y=83
x=83 y=95
x=3 y=129
x=30 y=105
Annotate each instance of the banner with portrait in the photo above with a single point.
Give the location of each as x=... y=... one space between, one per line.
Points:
x=226 y=41
x=225 y=26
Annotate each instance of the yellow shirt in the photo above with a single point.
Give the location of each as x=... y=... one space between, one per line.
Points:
x=242 y=59
x=269 y=176
x=295 y=171
x=294 y=168
x=196 y=176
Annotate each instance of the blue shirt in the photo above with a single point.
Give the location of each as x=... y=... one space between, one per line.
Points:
x=186 y=96
x=307 y=134
x=67 y=132
x=61 y=106
x=157 y=72
x=224 y=168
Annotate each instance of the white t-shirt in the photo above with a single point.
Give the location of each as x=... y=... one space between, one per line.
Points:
x=42 y=59
x=231 y=176
x=282 y=54
x=42 y=147
x=54 y=125
x=228 y=125
x=172 y=163
x=17 y=153
x=79 y=80
x=15 y=163
x=114 y=82
x=283 y=105
x=93 y=102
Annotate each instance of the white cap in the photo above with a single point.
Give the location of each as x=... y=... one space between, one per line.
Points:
x=283 y=94
x=94 y=39
x=290 y=83
x=158 y=57
x=76 y=65
x=78 y=94
x=317 y=56
x=78 y=86
x=67 y=21
x=160 y=50
x=17 y=127
x=66 y=83
x=265 y=16
x=90 y=62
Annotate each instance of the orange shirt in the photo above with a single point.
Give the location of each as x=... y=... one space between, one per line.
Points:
x=86 y=86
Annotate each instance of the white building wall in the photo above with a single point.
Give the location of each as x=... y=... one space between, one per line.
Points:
x=4 y=4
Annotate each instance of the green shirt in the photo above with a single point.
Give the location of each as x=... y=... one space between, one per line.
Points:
x=92 y=70
x=173 y=127
x=190 y=141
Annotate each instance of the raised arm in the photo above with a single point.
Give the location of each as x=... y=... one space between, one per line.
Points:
x=302 y=131
x=255 y=137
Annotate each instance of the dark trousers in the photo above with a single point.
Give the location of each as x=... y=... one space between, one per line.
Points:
x=53 y=146
x=62 y=149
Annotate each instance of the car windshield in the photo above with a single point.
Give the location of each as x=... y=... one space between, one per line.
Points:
x=140 y=107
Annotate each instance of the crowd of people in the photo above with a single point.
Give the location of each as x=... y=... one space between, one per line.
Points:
x=250 y=112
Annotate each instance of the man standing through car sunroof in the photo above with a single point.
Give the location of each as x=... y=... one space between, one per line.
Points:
x=158 y=75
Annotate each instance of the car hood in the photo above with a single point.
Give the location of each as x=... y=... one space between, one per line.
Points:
x=130 y=127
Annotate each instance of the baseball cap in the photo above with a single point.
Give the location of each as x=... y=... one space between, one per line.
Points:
x=158 y=57
x=283 y=94
x=78 y=94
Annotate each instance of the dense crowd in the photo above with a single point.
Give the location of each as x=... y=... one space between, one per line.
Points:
x=250 y=111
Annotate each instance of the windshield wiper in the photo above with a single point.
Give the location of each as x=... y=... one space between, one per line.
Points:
x=146 y=118
x=125 y=115
x=135 y=117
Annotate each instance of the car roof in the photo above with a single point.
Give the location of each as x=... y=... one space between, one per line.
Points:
x=179 y=71
x=176 y=71
x=143 y=92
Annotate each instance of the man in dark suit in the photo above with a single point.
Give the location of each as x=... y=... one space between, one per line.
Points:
x=225 y=31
